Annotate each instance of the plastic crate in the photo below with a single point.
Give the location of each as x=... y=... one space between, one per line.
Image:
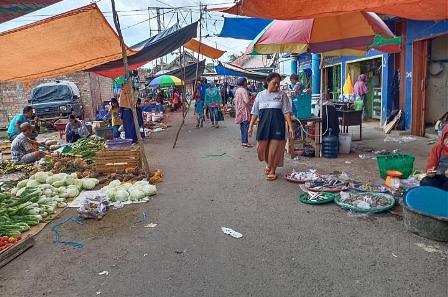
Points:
x=399 y=162
x=118 y=144
x=107 y=133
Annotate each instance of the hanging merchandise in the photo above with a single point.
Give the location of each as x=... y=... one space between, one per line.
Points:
x=348 y=85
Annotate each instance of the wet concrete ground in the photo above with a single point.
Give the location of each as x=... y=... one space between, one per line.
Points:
x=287 y=249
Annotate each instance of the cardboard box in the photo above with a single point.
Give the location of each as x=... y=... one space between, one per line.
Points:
x=98 y=124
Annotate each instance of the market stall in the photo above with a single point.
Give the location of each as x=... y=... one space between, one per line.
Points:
x=92 y=171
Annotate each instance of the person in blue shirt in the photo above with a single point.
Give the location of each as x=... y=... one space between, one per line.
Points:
x=102 y=113
x=25 y=117
x=202 y=89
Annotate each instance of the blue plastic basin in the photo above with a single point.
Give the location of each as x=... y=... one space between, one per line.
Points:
x=427 y=201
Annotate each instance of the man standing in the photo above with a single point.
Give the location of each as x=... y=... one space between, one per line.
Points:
x=296 y=86
x=23 y=149
x=14 y=126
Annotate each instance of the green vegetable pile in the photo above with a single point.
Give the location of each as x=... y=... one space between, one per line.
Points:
x=87 y=147
x=128 y=192
x=18 y=214
x=33 y=199
x=8 y=166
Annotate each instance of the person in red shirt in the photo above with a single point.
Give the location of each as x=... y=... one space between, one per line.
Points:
x=437 y=164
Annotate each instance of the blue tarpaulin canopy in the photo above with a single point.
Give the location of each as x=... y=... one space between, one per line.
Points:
x=243 y=28
x=232 y=70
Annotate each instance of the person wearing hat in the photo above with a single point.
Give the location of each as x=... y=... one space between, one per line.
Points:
x=23 y=149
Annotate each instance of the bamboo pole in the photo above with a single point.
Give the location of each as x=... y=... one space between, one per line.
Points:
x=195 y=80
x=134 y=101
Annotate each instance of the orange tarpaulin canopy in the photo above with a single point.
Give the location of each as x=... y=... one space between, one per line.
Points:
x=203 y=49
x=72 y=41
x=306 y=9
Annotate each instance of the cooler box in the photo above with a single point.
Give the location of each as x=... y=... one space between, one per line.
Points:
x=107 y=133
x=302 y=106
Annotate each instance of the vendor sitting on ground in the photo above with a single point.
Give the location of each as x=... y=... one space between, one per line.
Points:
x=23 y=149
x=75 y=129
x=437 y=165
x=25 y=117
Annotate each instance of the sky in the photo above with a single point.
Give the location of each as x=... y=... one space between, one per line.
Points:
x=134 y=16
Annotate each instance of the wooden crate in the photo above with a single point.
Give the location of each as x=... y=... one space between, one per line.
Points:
x=14 y=251
x=4 y=145
x=117 y=160
x=5 y=149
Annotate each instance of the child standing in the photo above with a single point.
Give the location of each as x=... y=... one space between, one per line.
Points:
x=199 y=113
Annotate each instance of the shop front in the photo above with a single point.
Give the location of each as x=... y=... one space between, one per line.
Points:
x=426 y=78
x=373 y=69
x=332 y=81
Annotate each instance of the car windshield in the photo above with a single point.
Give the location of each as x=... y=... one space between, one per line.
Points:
x=51 y=93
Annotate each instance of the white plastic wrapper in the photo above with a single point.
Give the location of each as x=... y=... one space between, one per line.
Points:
x=94 y=206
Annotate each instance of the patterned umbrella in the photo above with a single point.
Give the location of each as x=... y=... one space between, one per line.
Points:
x=165 y=81
x=324 y=34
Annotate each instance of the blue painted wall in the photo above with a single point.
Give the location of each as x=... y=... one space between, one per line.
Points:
x=294 y=65
x=418 y=30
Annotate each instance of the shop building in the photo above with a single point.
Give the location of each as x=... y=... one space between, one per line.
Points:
x=425 y=84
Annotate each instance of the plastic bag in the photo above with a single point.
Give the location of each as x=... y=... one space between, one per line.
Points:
x=83 y=131
x=94 y=207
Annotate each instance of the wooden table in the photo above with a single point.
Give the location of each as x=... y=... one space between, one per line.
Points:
x=350 y=118
x=311 y=126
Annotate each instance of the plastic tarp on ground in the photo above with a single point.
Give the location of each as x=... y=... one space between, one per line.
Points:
x=243 y=28
x=152 y=48
x=232 y=70
x=73 y=41
x=190 y=72
x=203 y=49
x=11 y=9
x=306 y=9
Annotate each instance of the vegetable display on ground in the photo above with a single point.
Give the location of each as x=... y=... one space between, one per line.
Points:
x=86 y=148
x=34 y=199
x=117 y=191
x=8 y=166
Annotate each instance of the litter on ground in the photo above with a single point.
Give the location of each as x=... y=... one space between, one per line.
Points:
x=231 y=232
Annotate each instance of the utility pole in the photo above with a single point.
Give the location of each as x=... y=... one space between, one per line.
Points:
x=134 y=101
x=196 y=77
x=149 y=22
x=159 y=29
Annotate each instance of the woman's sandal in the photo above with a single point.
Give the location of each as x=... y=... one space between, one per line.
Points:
x=267 y=170
x=271 y=177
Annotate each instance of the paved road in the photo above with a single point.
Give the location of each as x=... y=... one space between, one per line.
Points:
x=288 y=248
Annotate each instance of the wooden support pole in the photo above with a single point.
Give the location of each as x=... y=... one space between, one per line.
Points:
x=195 y=80
x=134 y=101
